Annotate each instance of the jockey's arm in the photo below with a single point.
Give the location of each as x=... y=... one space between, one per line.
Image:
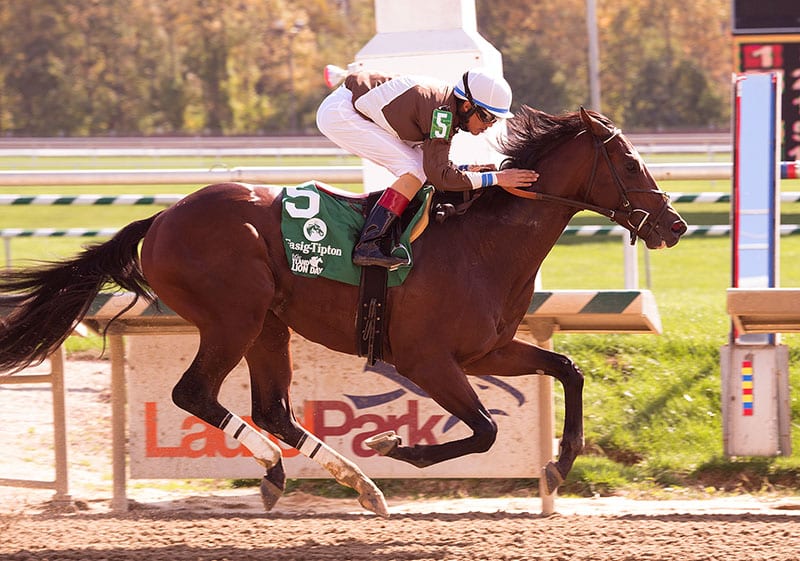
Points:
x=445 y=176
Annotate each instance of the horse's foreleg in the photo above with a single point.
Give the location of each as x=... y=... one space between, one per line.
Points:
x=519 y=358
x=446 y=384
x=270 y=376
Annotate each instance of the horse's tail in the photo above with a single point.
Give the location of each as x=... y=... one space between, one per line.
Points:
x=46 y=302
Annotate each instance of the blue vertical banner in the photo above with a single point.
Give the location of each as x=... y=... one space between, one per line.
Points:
x=755 y=211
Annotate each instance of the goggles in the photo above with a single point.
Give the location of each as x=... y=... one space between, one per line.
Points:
x=482 y=113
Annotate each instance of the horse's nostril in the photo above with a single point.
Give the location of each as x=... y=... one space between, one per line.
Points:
x=679 y=227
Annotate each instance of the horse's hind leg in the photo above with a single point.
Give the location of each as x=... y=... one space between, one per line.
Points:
x=198 y=389
x=228 y=325
x=270 y=377
x=209 y=265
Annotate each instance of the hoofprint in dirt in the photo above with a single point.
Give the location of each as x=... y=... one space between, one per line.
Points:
x=201 y=520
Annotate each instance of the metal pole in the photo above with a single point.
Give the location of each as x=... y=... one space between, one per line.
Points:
x=630 y=257
x=61 y=496
x=546 y=432
x=631 y=263
x=119 y=500
x=594 y=54
x=292 y=105
x=291 y=33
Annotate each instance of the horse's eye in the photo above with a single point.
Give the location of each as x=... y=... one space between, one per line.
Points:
x=633 y=163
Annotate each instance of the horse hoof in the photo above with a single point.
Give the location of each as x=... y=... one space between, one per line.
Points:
x=384 y=443
x=374 y=501
x=553 y=477
x=269 y=494
x=272 y=486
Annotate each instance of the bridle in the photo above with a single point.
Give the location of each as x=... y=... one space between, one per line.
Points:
x=626 y=213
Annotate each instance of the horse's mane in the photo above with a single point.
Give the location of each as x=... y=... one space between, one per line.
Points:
x=532 y=134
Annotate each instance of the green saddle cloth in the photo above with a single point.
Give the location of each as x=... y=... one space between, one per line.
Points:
x=320 y=231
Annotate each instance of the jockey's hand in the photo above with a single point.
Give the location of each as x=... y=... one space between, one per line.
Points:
x=516 y=177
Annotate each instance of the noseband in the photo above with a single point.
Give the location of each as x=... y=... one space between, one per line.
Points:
x=635 y=218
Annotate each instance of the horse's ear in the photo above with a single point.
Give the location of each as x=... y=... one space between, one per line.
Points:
x=596 y=127
x=586 y=118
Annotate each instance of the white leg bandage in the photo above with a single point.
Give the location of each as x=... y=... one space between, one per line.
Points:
x=342 y=469
x=345 y=472
x=264 y=450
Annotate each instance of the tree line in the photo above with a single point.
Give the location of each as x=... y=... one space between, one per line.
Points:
x=131 y=67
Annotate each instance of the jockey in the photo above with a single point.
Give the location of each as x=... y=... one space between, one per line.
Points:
x=405 y=124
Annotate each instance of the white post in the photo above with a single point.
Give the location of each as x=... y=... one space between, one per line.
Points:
x=119 y=499
x=442 y=43
x=547 y=433
x=630 y=259
x=62 y=496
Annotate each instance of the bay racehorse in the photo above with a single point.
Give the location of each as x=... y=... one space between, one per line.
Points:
x=217 y=259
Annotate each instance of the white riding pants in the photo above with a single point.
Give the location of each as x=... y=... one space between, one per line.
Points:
x=339 y=121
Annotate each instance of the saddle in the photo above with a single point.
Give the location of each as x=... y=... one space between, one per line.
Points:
x=321 y=224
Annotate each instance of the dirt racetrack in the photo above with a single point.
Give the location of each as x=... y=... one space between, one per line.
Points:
x=199 y=536
x=200 y=521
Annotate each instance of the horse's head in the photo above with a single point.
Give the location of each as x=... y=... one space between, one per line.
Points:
x=621 y=187
x=598 y=168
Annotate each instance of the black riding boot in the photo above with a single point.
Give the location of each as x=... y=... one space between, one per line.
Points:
x=377 y=230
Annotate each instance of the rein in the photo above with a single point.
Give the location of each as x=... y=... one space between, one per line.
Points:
x=626 y=211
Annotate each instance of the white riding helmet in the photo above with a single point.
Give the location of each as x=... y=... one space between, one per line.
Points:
x=485 y=90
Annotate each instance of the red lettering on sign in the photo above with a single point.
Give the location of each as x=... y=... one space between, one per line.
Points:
x=322 y=418
x=199 y=439
x=337 y=418
x=321 y=425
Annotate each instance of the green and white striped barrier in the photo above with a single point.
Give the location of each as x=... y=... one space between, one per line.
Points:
x=169 y=199
x=592 y=311
x=597 y=311
x=86 y=200
x=108 y=305
x=56 y=233
x=585 y=302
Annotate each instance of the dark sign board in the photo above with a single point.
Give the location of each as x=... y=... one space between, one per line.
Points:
x=777 y=53
x=766 y=16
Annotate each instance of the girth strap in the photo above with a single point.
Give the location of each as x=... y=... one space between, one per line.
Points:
x=371 y=316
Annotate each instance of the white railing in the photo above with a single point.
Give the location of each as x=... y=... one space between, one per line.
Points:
x=156 y=147
x=278 y=175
